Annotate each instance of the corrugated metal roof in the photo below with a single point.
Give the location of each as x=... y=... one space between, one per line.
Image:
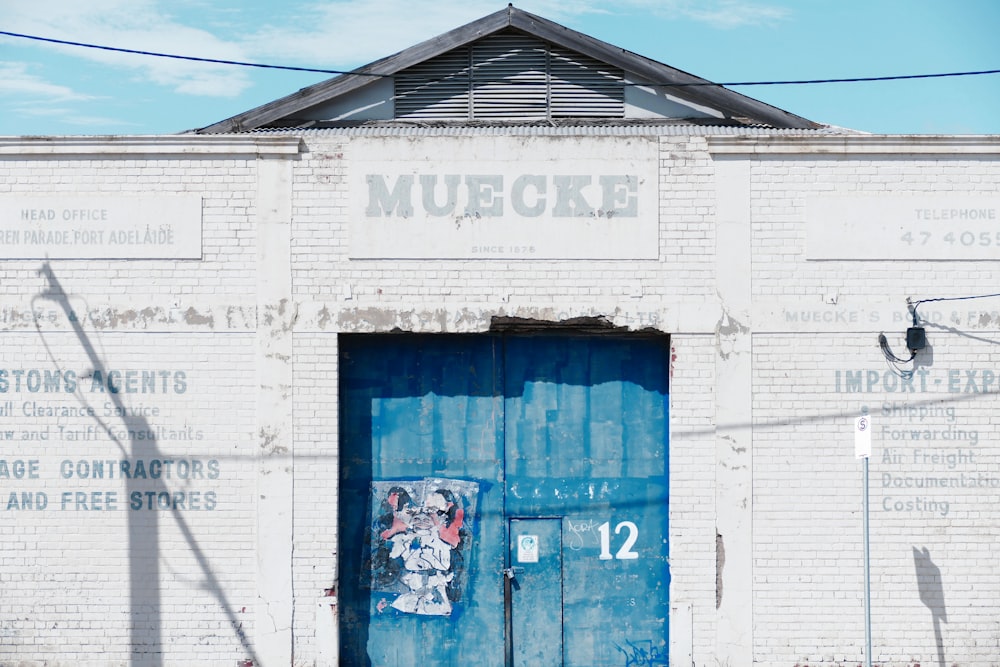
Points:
x=396 y=129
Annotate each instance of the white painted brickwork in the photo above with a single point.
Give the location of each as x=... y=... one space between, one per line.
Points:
x=316 y=470
x=143 y=550
x=934 y=585
x=692 y=488
x=934 y=490
x=323 y=272
x=227 y=188
x=774 y=354
x=101 y=520
x=779 y=197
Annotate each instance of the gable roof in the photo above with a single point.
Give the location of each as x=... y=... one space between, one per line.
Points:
x=724 y=105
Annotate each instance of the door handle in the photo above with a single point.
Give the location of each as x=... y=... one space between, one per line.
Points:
x=511 y=573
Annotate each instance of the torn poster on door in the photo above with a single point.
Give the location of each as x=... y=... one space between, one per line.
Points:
x=420 y=539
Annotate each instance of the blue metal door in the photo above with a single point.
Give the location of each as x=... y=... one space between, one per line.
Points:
x=585 y=439
x=444 y=439
x=535 y=592
x=421 y=469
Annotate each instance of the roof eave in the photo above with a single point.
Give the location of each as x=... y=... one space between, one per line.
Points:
x=345 y=83
x=686 y=86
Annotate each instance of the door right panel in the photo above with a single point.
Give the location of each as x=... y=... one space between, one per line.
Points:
x=586 y=440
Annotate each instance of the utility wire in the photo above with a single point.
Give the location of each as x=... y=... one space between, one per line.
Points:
x=175 y=56
x=891 y=359
x=216 y=61
x=916 y=304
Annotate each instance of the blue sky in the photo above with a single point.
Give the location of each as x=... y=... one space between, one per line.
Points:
x=55 y=90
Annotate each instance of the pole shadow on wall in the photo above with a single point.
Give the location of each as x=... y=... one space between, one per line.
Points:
x=145 y=619
x=931 y=594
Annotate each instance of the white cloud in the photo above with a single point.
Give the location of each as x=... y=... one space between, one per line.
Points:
x=349 y=33
x=139 y=25
x=342 y=34
x=716 y=13
x=733 y=14
x=15 y=80
x=72 y=116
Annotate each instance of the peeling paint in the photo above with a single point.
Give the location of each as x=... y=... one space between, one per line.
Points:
x=732 y=444
x=599 y=323
x=117 y=317
x=465 y=320
x=380 y=319
x=111 y=319
x=324 y=318
x=986 y=320
x=280 y=317
x=245 y=317
x=730 y=327
x=727 y=330
x=268 y=440
x=720 y=563
x=192 y=316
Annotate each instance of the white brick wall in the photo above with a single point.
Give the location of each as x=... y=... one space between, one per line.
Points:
x=808 y=548
x=692 y=487
x=228 y=191
x=808 y=551
x=316 y=473
x=809 y=337
x=78 y=573
x=781 y=188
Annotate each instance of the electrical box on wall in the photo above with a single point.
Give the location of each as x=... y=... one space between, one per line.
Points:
x=916 y=339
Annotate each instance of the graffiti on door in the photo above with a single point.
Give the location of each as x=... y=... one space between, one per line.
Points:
x=421 y=535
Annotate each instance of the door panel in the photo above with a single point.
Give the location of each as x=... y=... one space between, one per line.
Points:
x=536 y=598
x=585 y=439
x=420 y=414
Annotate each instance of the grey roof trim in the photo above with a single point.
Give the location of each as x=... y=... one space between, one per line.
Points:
x=190 y=146
x=952 y=146
x=394 y=129
x=733 y=104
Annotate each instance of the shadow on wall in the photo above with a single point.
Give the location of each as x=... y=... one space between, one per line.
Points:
x=147 y=647
x=931 y=594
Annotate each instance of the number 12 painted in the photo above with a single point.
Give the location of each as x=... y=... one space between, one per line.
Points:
x=625 y=552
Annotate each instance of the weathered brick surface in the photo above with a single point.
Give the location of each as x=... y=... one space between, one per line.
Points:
x=77 y=573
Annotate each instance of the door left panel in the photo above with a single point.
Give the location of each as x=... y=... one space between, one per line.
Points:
x=421 y=498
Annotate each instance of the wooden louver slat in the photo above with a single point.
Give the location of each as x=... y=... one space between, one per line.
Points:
x=509 y=77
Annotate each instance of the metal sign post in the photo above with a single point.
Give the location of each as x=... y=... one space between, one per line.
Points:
x=863 y=450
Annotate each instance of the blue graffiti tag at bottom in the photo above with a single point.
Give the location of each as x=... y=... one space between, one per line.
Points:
x=639 y=656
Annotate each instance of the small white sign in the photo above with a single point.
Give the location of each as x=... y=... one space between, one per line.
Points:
x=100 y=227
x=527 y=548
x=863 y=437
x=867 y=227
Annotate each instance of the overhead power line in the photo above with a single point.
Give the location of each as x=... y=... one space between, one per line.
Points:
x=174 y=56
x=216 y=61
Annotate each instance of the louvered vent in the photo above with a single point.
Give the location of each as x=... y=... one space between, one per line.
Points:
x=509 y=77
